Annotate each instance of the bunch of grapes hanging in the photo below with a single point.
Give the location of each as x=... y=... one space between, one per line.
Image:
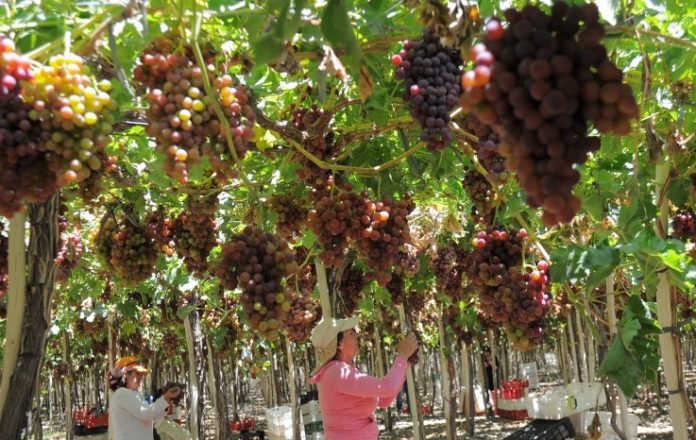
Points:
x=541 y=81
x=194 y=232
x=352 y=282
x=304 y=314
x=431 y=74
x=684 y=224
x=486 y=148
x=291 y=214
x=333 y=221
x=69 y=254
x=183 y=119
x=509 y=294
x=258 y=263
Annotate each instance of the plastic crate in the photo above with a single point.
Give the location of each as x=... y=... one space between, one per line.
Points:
x=566 y=400
x=582 y=421
x=545 y=430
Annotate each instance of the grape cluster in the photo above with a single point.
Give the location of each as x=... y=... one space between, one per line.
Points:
x=486 y=148
x=382 y=232
x=14 y=68
x=133 y=251
x=560 y=305
x=90 y=328
x=540 y=82
x=91 y=188
x=517 y=297
x=194 y=232
x=351 y=284
x=182 y=116
x=103 y=239
x=69 y=253
x=406 y=260
x=415 y=302
x=304 y=314
x=397 y=289
x=25 y=172
x=450 y=267
x=215 y=318
x=75 y=115
x=431 y=74
x=305 y=278
x=304 y=118
x=161 y=228
x=684 y=225
x=480 y=192
x=333 y=221
x=291 y=214
x=258 y=262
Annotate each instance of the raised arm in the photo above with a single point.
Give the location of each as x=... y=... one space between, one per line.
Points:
x=350 y=381
x=141 y=410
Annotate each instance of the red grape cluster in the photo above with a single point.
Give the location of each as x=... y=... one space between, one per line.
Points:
x=406 y=260
x=450 y=266
x=509 y=294
x=133 y=251
x=397 y=289
x=560 y=305
x=182 y=116
x=415 y=302
x=305 y=278
x=195 y=232
x=304 y=314
x=431 y=74
x=351 y=284
x=684 y=225
x=14 y=68
x=258 y=262
x=291 y=214
x=382 y=232
x=486 y=148
x=91 y=188
x=539 y=82
x=69 y=253
x=25 y=173
x=480 y=192
x=170 y=344
x=161 y=228
x=333 y=221
x=304 y=118
x=75 y=115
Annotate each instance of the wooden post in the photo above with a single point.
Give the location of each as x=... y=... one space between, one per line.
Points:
x=573 y=352
x=323 y=286
x=669 y=342
x=418 y=432
x=449 y=401
x=563 y=356
x=494 y=359
x=294 y=397
x=15 y=303
x=611 y=318
x=467 y=380
x=194 y=344
x=581 y=346
x=381 y=372
x=591 y=355
x=68 y=386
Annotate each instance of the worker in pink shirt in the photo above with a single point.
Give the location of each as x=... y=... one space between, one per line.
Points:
x=347 y=397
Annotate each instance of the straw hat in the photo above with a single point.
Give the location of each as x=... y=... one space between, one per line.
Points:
x=130 y=363
x=325 y=338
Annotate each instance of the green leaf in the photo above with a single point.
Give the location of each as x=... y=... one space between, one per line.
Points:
x=338 y=30
x=629 y=330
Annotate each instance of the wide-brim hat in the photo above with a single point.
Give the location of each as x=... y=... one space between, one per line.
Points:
x=325 y=338
x=131 y=363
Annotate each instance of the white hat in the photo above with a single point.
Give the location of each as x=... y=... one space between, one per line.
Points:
x=325 y=338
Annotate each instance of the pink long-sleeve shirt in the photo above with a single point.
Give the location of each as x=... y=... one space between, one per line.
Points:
x=348 y=398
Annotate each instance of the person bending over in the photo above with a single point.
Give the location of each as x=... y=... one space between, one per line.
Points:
x=347 y=397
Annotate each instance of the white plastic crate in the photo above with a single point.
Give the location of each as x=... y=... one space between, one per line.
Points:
x=169 y=430
x=512 y=404
x=311 y=421
x=279 y=422
x=529 y=371
x=566 y=400
x=583 y=420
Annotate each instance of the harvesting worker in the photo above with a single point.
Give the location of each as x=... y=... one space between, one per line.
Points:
x=130 y=416
x=347 y=397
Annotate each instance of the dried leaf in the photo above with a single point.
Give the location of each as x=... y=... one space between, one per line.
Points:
x=365 y=85
x=332 y=65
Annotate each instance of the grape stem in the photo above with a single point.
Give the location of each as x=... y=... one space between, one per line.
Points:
x=216 y=104
x=631 y=31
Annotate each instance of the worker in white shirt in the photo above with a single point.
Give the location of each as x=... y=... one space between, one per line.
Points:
x=130 y=416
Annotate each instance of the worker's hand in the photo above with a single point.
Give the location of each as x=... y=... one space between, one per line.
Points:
x=172 y=393
x=407 y=346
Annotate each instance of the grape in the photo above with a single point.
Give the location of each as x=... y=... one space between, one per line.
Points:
x=291 y=214
x=486 y=148
x=684 y=225
x=14 y=69
x=304 y=314
x=397 y=289
x=259 y=262
x=4 y=264
x=305 y=279
x=333 y=221
x=431 y=74
x=103 y=240
x=550 y=78
x=195 y=233
x=407 y=261
x=182 y=116
x=75 y=116
x=133 y=252
x=69 y=253
x=480 y=193
x=352 y=282
x=161 y=228
x=449 y=266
